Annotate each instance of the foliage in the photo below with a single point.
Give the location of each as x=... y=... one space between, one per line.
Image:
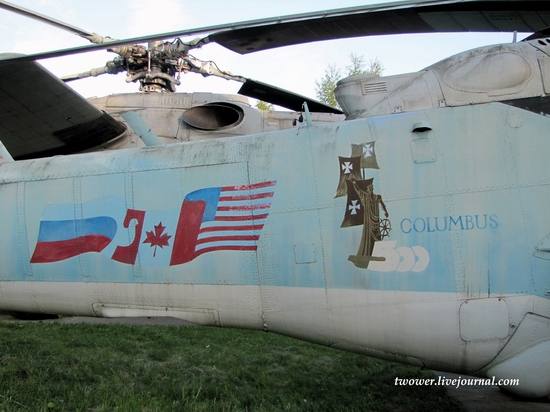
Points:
x=375 y=67
x=266 y=107
x=91 y=367
x=324 y=88
x=357 y=65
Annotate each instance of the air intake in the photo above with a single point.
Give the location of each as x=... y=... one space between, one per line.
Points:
x=214 y=116
x=376 y=87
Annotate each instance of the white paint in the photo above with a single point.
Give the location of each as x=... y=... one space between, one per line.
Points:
x=402 y=259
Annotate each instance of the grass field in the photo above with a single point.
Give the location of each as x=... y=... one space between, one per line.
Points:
x=89 y=367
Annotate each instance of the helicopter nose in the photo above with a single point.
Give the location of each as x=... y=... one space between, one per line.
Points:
x=522 y=367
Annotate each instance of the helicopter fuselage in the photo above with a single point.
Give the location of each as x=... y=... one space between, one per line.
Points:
x=454 y=279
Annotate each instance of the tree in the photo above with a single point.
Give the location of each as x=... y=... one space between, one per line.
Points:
x=357 y=65
x=324 y=88
x=375 y=67
x=263 y=106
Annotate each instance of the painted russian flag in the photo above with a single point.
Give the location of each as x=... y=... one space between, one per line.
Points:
x=221 y=218
x=63 y=239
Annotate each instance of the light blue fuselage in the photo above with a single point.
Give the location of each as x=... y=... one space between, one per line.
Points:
x=460 y=269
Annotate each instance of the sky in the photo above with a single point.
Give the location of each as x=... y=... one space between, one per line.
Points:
x=294 y=68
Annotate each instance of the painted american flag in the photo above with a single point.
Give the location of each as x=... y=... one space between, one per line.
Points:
x=221 y=218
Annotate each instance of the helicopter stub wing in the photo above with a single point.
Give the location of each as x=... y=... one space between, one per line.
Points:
x=391 y=18
x=40 y=116
x=283 y=98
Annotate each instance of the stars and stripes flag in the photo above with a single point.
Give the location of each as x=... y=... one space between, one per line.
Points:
x=221 y=218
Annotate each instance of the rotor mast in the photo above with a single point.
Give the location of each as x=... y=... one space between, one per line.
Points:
x=157 y=67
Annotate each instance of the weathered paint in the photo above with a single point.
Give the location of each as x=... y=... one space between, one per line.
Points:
x=464 y=230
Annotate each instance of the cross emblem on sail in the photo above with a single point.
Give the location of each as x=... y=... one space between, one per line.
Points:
x=363 y=205
x=350 y=169
x=366 y=152
x=354 y=207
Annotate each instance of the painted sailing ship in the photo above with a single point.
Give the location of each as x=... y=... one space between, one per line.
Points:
x=363 y=205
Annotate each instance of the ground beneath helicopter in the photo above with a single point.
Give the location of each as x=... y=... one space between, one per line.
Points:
x=473 y=398
x=491 y=398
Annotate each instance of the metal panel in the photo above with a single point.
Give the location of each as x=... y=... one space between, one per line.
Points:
x=423 y=150
x=492 y=325
x=304 y=253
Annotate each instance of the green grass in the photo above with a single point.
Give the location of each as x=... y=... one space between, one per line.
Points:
x=90 y=367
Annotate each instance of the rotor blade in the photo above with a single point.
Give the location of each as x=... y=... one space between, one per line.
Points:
x=45 y=19
x=544 y=33
x=45 y=117
x=391 y=18
x=283 y=98
x=420 y=16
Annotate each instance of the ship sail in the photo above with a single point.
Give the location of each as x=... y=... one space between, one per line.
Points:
x=366 y=152
x=355 y=209
x=362 y=205
x=350 y=169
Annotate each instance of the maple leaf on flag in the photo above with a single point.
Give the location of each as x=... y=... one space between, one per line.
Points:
x=157 y=238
